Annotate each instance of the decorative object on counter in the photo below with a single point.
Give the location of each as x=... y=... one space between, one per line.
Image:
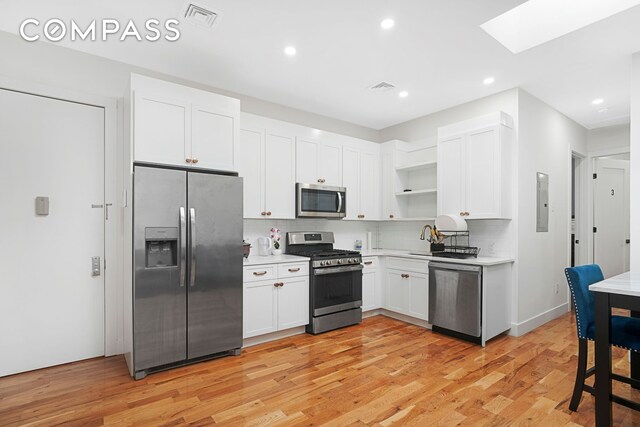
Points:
x=246 y=249
x=264 y=246
x=275 y=238
x=358 y=245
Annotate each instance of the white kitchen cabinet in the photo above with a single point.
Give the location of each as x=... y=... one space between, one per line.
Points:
x=360 y=176
x=407 y=287
x=371 y=284
x=277 y=303
x=318 y=162
x=474 y=168
x=267 y=166
x=182 y=126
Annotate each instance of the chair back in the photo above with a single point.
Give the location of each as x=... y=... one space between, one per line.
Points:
x=579 y=279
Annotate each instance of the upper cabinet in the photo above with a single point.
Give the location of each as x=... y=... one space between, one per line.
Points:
x=361 y=178
x=318 y=162
x=474 y=167
x=267 y=164
x=182 y=126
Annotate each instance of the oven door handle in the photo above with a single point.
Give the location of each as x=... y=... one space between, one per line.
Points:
x=336 y=270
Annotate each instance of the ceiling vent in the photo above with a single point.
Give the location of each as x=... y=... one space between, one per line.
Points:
x=382 y=87
x=199 y=15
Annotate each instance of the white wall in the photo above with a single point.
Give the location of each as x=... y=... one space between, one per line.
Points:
x=608 y=138
x=635 y=163
x=54 y=65
x=546 y=139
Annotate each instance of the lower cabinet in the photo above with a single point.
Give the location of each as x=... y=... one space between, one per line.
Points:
x=371 y=285
x=274 y=304
x=407 y=289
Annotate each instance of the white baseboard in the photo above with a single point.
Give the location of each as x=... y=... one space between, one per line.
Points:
x=405 y=318
x=261 y=339
x=519 y=329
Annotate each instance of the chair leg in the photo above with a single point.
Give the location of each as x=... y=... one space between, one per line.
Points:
x=583 y=352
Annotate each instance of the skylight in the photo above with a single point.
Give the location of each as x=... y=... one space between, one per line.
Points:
x=538 y=21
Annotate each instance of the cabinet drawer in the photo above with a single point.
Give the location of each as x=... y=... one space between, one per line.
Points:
x=408 y=264
x=370 y=263
x=293 y=269
x=259 y=272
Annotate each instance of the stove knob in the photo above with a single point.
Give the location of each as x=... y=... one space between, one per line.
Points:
x=339 y=261
x=321 y=263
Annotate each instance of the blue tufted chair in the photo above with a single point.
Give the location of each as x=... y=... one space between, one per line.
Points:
x=625 y=331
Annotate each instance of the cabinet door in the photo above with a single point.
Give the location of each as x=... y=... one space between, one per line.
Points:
x=369 y=186
x=280 y=175
x=213 y=138
x=351 y=181
x=389 y=205
x=369 y=290
x=307 y=152
x=251 y=167
x=162 y=130
x=293 y=303
x=260 y=308
x=451 y=175
x=397 y=288
x=418 y=302
x=330 y=163
x=482 y=174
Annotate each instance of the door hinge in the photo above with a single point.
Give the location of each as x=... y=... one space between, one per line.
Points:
x=595 y=229
x=595 y=176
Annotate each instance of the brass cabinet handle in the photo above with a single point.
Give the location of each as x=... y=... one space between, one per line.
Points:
x=391 y=216
x=268 y=213
x=259 y=273
x=404 y=276
x=278 y=284
x=188 y=160
x=263 y=213
x=195 y=160
x=361 y=216
x=368 y=262
x=294 y=270
x=321 y=180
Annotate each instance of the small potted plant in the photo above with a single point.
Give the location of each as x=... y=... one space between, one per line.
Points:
x=275 y=238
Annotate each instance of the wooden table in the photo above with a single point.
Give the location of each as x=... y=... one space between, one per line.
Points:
x=622 y=291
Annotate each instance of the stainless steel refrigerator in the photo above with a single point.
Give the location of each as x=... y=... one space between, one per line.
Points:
x=187 y=257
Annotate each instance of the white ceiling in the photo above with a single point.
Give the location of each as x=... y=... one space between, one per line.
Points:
x=436 y=51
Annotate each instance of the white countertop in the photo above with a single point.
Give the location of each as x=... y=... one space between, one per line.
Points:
x=272 y=259
x=624 y=284
x=481 y=260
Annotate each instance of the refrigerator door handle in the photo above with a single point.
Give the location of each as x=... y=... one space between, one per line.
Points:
x=192 y=269
x=183 y=247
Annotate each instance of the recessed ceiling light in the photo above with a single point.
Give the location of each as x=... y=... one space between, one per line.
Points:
x=597 y=101
x=403 y=94
x=387 y=24
x=489 y=80
x=535 y=22
x=290 y=50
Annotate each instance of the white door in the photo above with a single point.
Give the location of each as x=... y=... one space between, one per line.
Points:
x=51 y=307
x=213 y=138
x=351 y=181
x=419 y=295
x=280 y=186
x=162 y=130
x=251 y=170
x=260 y=308
x=307 y=152
x=330 y=164
x=611 y=216
x=369 y=186
x=369 y=298
x=293 y=303
x=389 y=205
x=451 y=177
x=482 y=186
x=396 y=289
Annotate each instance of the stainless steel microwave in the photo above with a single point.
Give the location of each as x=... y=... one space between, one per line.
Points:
x=320 y=201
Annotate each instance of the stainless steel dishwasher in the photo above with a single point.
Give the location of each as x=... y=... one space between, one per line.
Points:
x=455 y=300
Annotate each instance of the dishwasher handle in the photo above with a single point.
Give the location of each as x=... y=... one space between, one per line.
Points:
x=455 y=267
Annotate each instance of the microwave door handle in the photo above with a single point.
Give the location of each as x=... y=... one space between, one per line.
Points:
x=183 y=247
x=339 y=202
x=192 y=278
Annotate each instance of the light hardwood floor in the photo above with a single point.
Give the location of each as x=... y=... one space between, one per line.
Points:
x=378 y=373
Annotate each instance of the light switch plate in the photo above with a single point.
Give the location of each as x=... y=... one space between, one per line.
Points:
x=42 y=205
x=95 y=266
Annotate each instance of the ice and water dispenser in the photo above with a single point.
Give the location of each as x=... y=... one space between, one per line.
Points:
x=161 y=247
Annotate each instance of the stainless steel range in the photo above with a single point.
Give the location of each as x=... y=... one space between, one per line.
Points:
x=335 y=294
